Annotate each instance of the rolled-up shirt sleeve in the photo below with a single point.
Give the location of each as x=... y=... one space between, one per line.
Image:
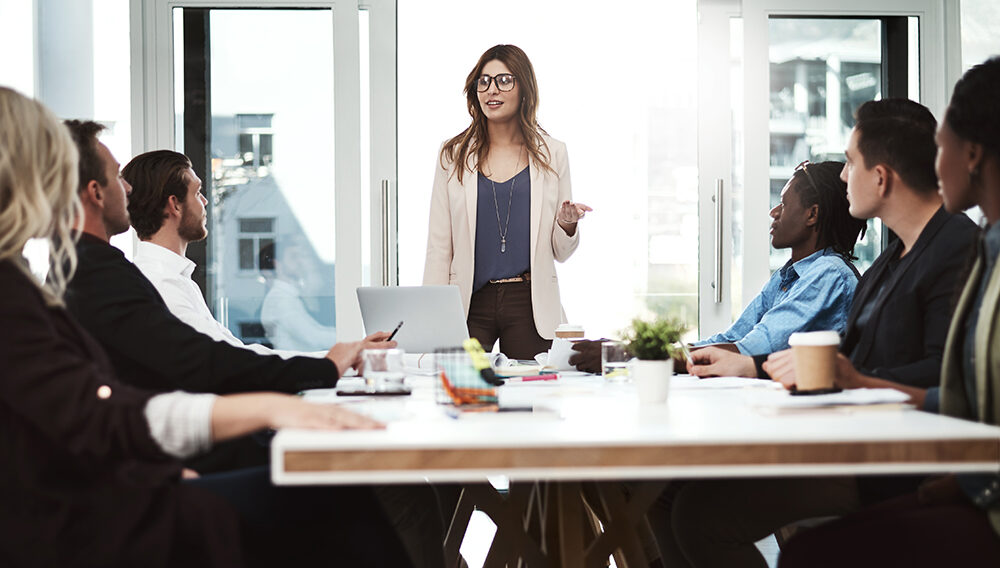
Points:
x=181 y=422
x=818 y=300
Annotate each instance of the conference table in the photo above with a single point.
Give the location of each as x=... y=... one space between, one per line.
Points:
x=565 y=446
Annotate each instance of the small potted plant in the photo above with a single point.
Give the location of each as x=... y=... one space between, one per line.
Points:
x=653 y=344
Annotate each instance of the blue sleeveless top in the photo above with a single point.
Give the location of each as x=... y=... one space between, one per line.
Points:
x=513 y=195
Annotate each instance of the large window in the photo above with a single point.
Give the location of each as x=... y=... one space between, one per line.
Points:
x=272 y=230
x=821 y=70
x=618 y=87
x=980 y=41
x=78 y=70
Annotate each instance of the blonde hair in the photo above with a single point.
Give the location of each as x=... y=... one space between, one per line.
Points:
x=38 y=197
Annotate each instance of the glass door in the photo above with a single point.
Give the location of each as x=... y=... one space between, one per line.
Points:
x=273 y=104
x=797 y=70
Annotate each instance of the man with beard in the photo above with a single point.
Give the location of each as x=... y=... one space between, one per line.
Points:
x=151 y=348
x=167 y=208
x=123 y=311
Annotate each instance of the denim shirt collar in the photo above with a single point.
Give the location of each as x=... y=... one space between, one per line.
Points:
x=791 y=271
x=991 y=245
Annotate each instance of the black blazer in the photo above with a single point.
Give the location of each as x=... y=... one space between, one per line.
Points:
x=904 y=338
x=151 y=348
x=82 y=482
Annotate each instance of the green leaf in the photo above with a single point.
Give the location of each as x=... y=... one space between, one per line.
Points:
x=653 y=340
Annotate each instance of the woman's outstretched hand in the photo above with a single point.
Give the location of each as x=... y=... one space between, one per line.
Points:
x=569 y=214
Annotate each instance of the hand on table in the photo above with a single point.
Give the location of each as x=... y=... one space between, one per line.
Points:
x=845 y=375
x=347 y=355
x=781 y=366
x=587 y=355
x=292 y=412
x=718 y=362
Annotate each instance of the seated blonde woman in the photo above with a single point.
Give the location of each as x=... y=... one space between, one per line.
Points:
x=90 y=466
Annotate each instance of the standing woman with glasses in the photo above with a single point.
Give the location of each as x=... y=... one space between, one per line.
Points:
x=502 y=210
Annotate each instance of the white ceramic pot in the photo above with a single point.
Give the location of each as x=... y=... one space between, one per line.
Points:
x=652 y=380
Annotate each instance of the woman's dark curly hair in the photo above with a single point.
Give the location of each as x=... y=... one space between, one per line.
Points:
x=973 y=113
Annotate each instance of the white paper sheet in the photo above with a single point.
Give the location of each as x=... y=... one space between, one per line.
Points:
x=851 y=397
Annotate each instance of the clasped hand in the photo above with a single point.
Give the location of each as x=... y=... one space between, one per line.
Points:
x=781 y=367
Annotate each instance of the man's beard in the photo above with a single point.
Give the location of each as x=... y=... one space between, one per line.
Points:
x=191 y=228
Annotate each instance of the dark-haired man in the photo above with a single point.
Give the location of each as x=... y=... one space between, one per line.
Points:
x=167 y=209
x=147 y=345
x=896 y=330
x=137 y=319
x=813 y=290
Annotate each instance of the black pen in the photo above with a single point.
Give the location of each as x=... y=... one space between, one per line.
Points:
x=395 y=331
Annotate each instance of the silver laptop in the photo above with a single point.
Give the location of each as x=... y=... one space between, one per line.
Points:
x=432 y=316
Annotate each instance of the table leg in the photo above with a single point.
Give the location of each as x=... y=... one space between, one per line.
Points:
x=456 y=529
x=570 y=524
x=512 y=541
x=622 y=519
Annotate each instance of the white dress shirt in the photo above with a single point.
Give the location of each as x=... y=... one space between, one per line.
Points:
x=171 y=273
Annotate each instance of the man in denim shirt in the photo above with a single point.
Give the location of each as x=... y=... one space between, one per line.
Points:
x=814 y=290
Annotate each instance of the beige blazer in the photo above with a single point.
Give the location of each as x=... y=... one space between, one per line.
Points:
x=451 y=239
x=954 y=401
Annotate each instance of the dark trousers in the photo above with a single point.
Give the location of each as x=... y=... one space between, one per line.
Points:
x=899 y=532
x=307 y=526
x=503 y=311
x=715 y=523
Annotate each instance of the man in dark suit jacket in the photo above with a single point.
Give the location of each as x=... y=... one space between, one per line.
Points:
x=148 y=346
x=895 y=336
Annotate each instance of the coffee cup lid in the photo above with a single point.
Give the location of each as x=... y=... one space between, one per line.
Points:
x=814 y=338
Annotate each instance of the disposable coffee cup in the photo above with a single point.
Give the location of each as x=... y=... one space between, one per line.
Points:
x=569 y=331
x=815 y=354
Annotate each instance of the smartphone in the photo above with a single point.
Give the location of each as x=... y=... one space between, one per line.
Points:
x=396 y=391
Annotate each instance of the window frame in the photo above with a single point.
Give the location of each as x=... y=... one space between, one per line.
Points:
x=153 y=117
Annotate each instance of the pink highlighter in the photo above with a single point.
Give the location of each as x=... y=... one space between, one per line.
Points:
x=546 y=377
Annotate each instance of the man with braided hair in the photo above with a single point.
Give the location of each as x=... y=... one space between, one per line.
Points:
x=894 y=337
x=814 y=289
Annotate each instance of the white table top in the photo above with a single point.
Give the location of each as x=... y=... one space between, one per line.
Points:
x=594 y=430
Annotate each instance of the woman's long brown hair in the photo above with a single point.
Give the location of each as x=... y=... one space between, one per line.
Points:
x=474 y=140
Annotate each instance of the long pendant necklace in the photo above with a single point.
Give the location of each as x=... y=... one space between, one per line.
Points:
x=510 y=200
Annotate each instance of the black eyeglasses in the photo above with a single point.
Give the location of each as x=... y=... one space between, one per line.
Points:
x=505 y=82
x=802 y=167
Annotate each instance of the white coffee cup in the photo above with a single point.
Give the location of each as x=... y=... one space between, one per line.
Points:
x=569 y=331
x=815 y=354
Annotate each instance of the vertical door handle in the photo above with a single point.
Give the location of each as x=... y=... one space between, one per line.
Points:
x=385 y=233
x=717 y=198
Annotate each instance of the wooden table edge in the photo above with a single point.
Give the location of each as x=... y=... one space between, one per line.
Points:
x=693 y=455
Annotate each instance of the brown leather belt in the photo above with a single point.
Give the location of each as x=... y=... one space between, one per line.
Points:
x=526 y=277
